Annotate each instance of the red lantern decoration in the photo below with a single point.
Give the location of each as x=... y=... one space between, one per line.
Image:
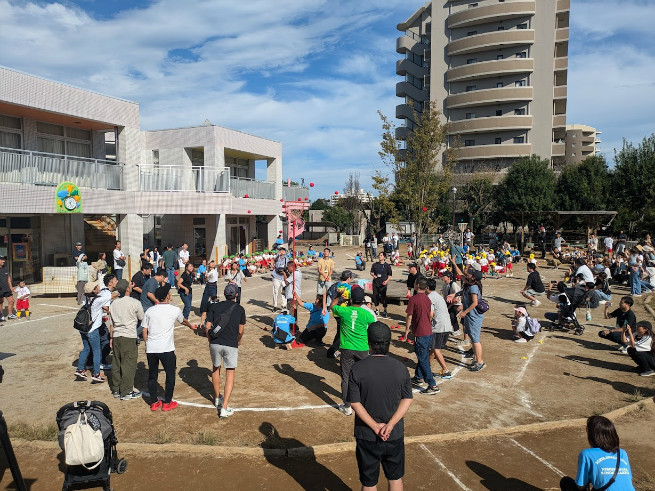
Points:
x=248 y=211
x=311 y=184
x=281 y=200
x=299 y=199
x=245 y=196
x=425 y=209
x=306 y=199
x=336 y=192
x=280 y=232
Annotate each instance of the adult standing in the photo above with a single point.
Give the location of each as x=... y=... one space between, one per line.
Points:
x=380 y=392
x=374 y=246
x=126 y=312
x=353 y=343
x=325 y=269
x=148 y=298
x=449 y=291
x=542 y=241
x=77 y=252
x=91 y=339
x=381 y=272
x=211 y=287
x=468 y=237
x=139 y=279
x=621 y=240
x=558 y=241
x=6 y=291
x=158 y=334
x=367 y=248
x=458 y=253
x=592 y=244
x=608 y=242
x=82 y=277
x=533 y=286
x=101 y=268
x=170 y=263
x=224 y=346
x=293 y=283
x=339 y=293
x=279 y=274
x=412 y=277
x=119 y=260
x=419 y=321
x=183 y=257
x=237 y=277
x=441 y=328
x=184 y=289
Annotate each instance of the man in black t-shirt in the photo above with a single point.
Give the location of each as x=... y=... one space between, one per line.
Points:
x=224 y=347
x=184 y=289
x=624 y=317
x=413 y=276
x=139 y=279
x=534 y=287
x=380 y=393
x=380 y=271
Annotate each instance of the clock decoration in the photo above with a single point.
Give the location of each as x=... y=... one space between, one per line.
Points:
x=68 y=198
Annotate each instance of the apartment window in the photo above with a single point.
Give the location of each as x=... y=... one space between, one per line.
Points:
x=469 y=143
x=415 y=81
x=574 y=135
x=519 y=83
x=573 y=154
x=573 y=144
x=473 y=5
x=499 y=112
x=499 y=85
x=10 y=132
x=470 y=88
x=53 y=138
x=498 y=141
x=522 y=54
x=470 y=61
x=522 y=26
x=499 y=57
x=470 y=115
x=501 y=28
x=519 y=112
x=519 y=139
x=471 y=33
x=155 y=157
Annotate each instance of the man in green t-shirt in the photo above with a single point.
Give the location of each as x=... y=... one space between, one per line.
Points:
x=353 y=343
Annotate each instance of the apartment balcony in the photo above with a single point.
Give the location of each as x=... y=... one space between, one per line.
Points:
x=402 y=132
x=561 y=34
x=558 y=149
x=493 y=68
x=491 y=13
x=46 y=169
x=559 y=92
x=563 y=5
x=482 y=152
x=561 y=63
x=412 y=42
x=490 y=124
x=559 y=120
x=406 y=89
x=491 y=41
x=184 y=178
x=295 y=193
x=404 y=111
x=486 y=97
x=407 y=66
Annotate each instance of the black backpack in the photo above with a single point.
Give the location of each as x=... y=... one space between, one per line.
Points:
x=83 y=319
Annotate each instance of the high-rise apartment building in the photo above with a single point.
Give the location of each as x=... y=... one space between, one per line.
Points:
x=581 y=142
x=497 y=69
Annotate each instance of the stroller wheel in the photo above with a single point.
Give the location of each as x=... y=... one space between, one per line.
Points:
x=121 y=466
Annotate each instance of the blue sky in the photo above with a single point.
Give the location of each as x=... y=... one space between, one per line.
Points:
x=308 y=73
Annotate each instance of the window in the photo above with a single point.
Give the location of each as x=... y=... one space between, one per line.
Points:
x=470 y=61
x=497 y=141
x=501 y=28
x=574 y=135
x=470 y=88
x=473 y=5
x=198 y=220
x=522 y=26
x=519 y=83
x=155 y=157
x=470 y=115
x=519 y=112
x=573 y=144
x=519 y=139
x=522 y=54
x=573 y=154
x=499 y=57
x=471 y=33
x=499 y=85
x=499 y=112
x=469 y=143
x=53 y=138
x=10 y=132
x=415 y=81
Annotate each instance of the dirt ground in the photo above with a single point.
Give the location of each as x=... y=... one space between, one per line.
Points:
x=557 y=376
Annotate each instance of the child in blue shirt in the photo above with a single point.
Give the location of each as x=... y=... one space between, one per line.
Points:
x=317 y=323
x=282 y=327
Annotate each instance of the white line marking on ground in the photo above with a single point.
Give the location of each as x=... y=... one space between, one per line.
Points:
x=545 y=462
x=443 y=467
x=524 y=397
x=58 y=306
x=527 y=362
x=21 y=322
x=255 y=409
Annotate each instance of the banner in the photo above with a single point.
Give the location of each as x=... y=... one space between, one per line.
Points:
x=300 y=227
x=68 y=198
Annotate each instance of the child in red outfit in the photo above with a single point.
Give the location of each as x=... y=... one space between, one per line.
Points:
x=22 y=300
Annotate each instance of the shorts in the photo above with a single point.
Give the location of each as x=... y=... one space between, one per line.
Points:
x=439 y=340
x=225 y=354
x=322 y=287
x=4 y=294
x=370 y=454
x=533 y=293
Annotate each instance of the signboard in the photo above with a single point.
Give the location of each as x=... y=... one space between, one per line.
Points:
x=20 y=251
x=68 y=198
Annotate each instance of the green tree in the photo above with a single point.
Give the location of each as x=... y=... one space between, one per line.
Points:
x=320 y=204
x=528 y=186
x=584 y=186
x=341 y=218
x=421 y=169
x=381 y=206
x=477 y=192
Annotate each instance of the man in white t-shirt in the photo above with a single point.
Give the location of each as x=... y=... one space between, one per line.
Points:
x=183 y=255
x=118 y=257
x=584 y=270
x=608 y=242
x=293 y=281
x=158 y=334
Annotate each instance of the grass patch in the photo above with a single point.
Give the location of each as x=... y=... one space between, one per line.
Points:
x=636 y=396
x=33 y=432
x=205 y=437
x=163 y=435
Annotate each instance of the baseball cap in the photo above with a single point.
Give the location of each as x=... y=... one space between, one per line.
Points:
x=231 y=291
x=162 y=292
x=477 y=266
x=346 y=274
x=379 y=332
x=368 y=299
x=357 y=294
x=477 y=275
x=90 y=286
x=122 y=286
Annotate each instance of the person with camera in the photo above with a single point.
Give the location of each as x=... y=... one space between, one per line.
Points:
x=279 y=274
x=225 y=324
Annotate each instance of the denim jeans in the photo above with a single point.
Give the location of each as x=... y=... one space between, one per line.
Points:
x=90 y=343
x=170 y=272
x=119 y=273
x=186 y=300
x=422 y=346
x=210 y=291
x=602 y=296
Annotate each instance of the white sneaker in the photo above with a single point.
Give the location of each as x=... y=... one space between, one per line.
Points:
x=347 y=410
x=521 y=340
x=337 y=355
x=536 y=303
x=218 y=401
x=226 y=412
x=623 y=349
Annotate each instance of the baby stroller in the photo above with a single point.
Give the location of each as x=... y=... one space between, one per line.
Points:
x=569 y=301
x=99 y=417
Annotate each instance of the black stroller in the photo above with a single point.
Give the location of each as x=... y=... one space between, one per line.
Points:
x=569 y=301
x=77 y=475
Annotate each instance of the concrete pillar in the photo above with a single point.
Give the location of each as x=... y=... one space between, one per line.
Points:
x=128 y=153
x=29 y=134
x=273 y=228
x=130 y=233
x=219 y=244
x=274 y=174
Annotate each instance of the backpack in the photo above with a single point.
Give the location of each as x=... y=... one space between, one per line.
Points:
x=282 y=329
x=83 y=319
x=222 y=322
x=83 y=444
x=533 y=325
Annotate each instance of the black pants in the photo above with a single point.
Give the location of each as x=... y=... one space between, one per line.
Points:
x=644 y=360
x=308 y=335
x=348 y=359
x=452 y=311
x=568 y=484
x=168 y=360
x=612 y=336
x=380 y=295
x=336 y=341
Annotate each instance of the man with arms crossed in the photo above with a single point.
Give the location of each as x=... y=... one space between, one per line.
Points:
x=325 y=270
x=380 y=392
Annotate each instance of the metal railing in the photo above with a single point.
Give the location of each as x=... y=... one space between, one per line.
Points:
x=417 y=37
x=295 y=193
x=48 y=169
x=240 y=186
x=184 y=178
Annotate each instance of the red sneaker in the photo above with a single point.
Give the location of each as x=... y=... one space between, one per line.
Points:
x=169 y=406
x=295 y=344
x=155 y=406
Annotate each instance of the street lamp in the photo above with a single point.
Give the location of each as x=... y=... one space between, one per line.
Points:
x=454 y=193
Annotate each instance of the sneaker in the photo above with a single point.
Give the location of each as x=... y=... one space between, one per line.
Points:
x=476 y=367
x=430 y=391
x=156 y=406
x=337 y=355
x=105 y=366
x=417 y=381
x=456 y=333
x=464 y=346
x=2 y=318
x=135 y=394
x=634 y=295
x=385 y=315
x=623 y=349
x=346 y=410
x=443 y=374
x=521 y=340
x=168 y=406
x=116 y=395
x=226 y=412
x=377 y=312
x=81 y=374
x=602 y=302
x=647 y=373
x=12 y=316
x=535 y=303
x=218 y=401
x=96 y=378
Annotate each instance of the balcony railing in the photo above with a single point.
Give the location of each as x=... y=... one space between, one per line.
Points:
x=184 y=178
x=48 y=169
x=240 y=186
x=295 y=193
